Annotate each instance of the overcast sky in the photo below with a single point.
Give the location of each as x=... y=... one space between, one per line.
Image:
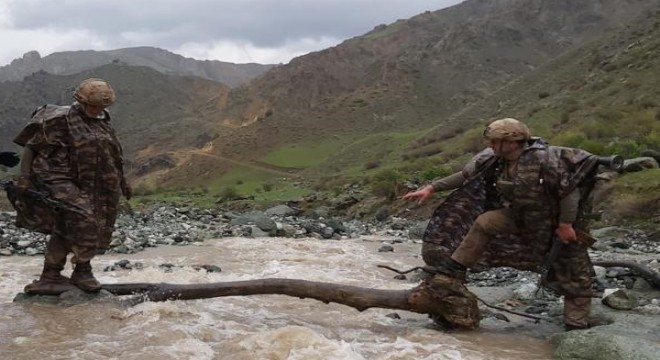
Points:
x=239 y=31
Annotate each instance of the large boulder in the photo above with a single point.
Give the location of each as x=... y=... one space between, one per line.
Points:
x=639 y=164
x=595 y=344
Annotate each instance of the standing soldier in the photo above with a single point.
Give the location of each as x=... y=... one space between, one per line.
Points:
x=519 y=204
x=74 y=157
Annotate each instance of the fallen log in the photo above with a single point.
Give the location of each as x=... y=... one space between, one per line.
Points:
x=445 y=300
x=643 y=271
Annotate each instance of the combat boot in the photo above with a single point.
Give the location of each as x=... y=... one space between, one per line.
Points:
x=83 y=278
x=51 y=282
x=592 y=321
x=449 y=267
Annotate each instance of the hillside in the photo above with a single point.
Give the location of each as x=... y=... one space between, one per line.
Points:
x=406 y=101
x=154 y=114
x=72 y=62
x=414 y=73
x=601 y=97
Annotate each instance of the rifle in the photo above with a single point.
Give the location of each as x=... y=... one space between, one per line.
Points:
x=13 y=194
x=583 y=239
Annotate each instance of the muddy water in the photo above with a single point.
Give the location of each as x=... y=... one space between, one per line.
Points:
x=254 y=327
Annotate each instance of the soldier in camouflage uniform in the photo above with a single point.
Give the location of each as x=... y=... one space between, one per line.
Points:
x=515 y=199
x=74 y=157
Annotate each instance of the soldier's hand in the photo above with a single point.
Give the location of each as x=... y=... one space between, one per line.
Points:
x=126 y=189
x=23 y=183
x=420 y=195
x=566 y=233
x=9 y=158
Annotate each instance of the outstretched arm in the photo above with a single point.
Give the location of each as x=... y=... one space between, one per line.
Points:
x=452 y=181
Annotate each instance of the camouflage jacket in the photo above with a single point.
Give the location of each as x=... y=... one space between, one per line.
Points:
x=77 y=162
x=545 y=175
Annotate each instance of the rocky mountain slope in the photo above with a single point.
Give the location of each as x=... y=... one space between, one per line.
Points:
x=72 y=62
x=155 y=113
x=414 y=73
x=369 y=99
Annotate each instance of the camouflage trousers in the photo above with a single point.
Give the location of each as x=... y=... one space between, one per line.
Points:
x=570 y=274
x=72 y=233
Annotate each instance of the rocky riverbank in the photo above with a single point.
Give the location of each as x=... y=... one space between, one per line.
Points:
x=632 y=301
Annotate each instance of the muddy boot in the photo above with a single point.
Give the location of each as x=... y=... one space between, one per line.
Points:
x=449 y=267
x=83 y=278
x=51 y=282
x=592 y=321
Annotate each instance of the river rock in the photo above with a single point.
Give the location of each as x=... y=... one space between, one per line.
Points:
x=595 y=344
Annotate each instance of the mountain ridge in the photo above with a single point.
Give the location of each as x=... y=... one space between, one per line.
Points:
x=72 y=62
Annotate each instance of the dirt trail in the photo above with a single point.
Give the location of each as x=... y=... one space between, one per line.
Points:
x=272 y=169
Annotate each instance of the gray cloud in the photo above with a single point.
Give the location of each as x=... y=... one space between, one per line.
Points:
x=172 y=24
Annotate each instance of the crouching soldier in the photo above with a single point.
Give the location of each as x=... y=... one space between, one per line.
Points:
x=518 y=204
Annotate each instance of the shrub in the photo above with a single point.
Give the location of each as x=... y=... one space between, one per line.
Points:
x=143 y=190
x=473 y=141
x=229 y=193
x=647 y=104
x=385 y=183
x=435 y=172
x=372 y=165
x=626 y=148
x=609 y=114
x=569 y=138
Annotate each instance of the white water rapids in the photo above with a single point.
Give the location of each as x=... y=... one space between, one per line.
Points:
x=244 y=327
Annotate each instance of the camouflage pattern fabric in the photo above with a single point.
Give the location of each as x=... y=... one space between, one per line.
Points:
x=77 y=162
x=545 y=174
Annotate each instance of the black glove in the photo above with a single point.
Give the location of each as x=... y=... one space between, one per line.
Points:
x=9 y=158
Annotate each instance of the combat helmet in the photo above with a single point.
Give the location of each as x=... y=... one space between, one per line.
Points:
x=507 y=129
x=95 y=92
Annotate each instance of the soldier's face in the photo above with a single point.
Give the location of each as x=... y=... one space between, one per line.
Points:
x=93 y=111
x=503 y=147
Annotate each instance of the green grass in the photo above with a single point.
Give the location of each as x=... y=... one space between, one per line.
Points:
x=645 y=183
x=382 y=150
x=304 y=155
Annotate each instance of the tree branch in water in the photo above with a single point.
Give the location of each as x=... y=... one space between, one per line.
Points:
x=446 y=300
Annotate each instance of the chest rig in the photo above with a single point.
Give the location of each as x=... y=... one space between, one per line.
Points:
x=531 y=197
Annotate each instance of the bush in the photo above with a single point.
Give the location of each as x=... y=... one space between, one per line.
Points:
x=143 y=190
x=473 y=141
x=385 y=183
x=569 y=139
x=435 y=172
x=626 y=148
x=229 y=193
x=372 y=165
x=609 y=114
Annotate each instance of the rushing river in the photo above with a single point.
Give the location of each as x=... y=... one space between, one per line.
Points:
x=248 y=327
